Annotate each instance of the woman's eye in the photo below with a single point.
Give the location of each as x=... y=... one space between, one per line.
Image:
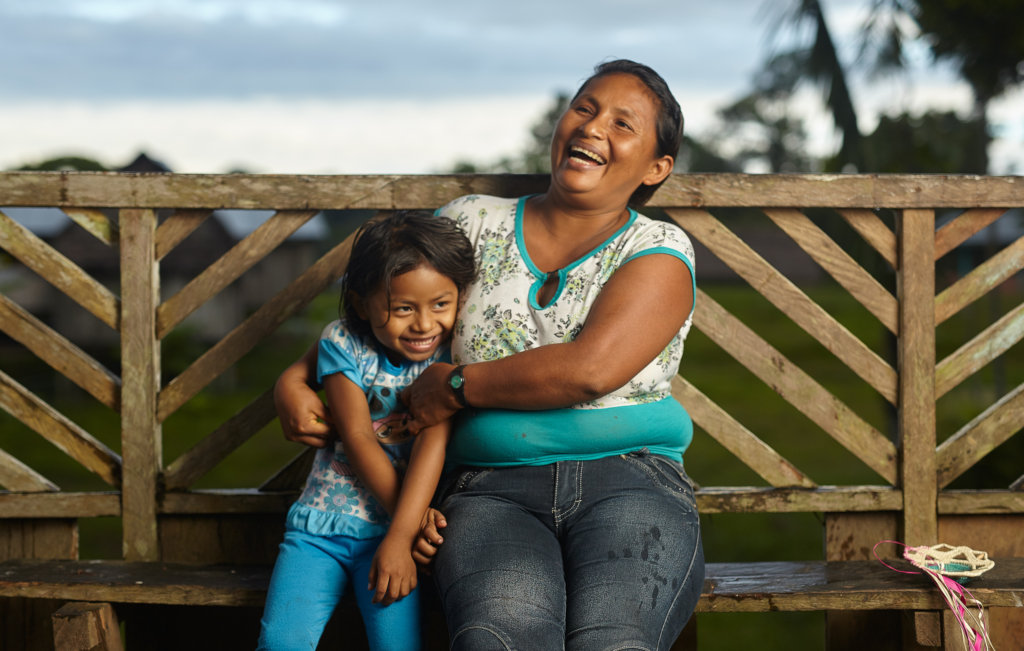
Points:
x=625 y=125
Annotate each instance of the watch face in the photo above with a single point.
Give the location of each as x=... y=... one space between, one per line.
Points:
x=456 y=381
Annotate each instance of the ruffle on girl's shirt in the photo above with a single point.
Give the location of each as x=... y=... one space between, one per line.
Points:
x=322 y=523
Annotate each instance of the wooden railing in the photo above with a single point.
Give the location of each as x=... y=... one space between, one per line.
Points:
x=876 y=237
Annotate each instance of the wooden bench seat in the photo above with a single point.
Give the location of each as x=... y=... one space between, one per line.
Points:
x=729 y=587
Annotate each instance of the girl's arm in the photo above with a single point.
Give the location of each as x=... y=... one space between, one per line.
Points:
x=639 y=311
x=355 y=428
x=393 y=574
x=303 y=415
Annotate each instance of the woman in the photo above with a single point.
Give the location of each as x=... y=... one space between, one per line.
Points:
x=569 y=521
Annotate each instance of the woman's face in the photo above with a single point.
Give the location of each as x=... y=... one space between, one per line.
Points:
x=605 y=145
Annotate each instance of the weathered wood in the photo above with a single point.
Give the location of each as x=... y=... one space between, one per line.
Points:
x=173 y=230
x=58 y=430
x=246 y=335
x=798 y=388
x=141 y=444
x=59 y=505
x=215 y=447
x=798 y=500
x=63 y=356
x=227 y=501
x=874 y=231
x=838 y=264
x=16 y=476
x=86 y=627
x=974 y=355
x=982 y=435
x=95 y=223
x=786 y=296
x=981 y=502
x=981 y=280
x=752 y=451
x=728 y=587
x=296 y=192
x=916 y=416
x=236 y=539
x=267 y=237
x=955 y=232
x=57 y=270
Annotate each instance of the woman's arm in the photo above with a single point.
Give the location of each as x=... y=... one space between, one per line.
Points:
x=304 y=417
x=640 y=309
x=355 y=429
x=393 y=574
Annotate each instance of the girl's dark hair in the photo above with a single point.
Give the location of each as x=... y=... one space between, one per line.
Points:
x=396 y=244
x=670 y=116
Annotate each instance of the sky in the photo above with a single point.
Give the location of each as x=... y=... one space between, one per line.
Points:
x=388 y=86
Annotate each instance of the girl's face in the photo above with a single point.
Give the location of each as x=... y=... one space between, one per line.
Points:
x=419 y=316
x=606 y=142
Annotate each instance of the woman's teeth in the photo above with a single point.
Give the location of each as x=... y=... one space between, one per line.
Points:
x=586 y=153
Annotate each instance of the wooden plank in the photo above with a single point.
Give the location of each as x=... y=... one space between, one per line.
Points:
x=246 y=335
x=58 y=270
x=955 y=232
x=744 y=445
x=251 y=250
x=15 y=476
x=237 y=539
x=227 y=501
x=833 y=259
x=987 y=431
x=95 y=223
x=59 y=505
x=981 y=280
x=86 y=627
x=874 y=231
x=728 y=587
x=391 y=192
x=798 y=388
x=63 y=356
x=790 y=299
x=215 y=447
x=176 y=228
x=916 y=414
x=140 y=354
x=798 y=500
x=974 y=355
x=56 y=428
x=981 y=502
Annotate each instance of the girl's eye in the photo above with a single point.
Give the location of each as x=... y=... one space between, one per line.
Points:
x=402 y=309
x=442 y=305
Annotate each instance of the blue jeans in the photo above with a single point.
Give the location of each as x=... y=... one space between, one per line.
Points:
x=309 y=579
x=586 y=555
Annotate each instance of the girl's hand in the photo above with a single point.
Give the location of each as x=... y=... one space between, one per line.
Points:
x=393 y=573
x=425 y=546
x=429 y=399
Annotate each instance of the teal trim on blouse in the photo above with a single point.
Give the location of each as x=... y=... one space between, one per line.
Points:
x=563 y=273
x=502 y=437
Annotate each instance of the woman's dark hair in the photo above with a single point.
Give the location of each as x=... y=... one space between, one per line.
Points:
x=670 y=116
x=396 y=244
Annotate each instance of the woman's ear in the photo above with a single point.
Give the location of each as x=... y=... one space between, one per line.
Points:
x=660 y=169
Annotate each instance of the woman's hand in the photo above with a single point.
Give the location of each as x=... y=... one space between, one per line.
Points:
x=425 y=546
x=429 y=399
x=393 y=573
x=304 y=417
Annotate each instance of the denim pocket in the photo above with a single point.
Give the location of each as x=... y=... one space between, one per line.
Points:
x=665 y=472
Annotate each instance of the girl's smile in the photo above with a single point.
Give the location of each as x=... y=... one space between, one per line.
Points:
x=418 y=317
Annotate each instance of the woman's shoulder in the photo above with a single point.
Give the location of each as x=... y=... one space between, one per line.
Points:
x=647 y=232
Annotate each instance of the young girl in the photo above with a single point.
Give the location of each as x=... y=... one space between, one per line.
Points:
x=400 y=296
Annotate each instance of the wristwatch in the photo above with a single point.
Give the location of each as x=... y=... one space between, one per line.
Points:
x=457 y=383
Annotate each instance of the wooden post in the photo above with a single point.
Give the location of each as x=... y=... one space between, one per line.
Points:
x=916 y=289
x=79 y=626
x=140 y=377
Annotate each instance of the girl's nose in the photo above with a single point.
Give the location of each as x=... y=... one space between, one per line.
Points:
x=423 y=321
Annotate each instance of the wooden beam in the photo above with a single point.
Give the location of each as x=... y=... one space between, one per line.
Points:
x=981 y=280
x=141 y=440
x=982 y=435
x=916 y=417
